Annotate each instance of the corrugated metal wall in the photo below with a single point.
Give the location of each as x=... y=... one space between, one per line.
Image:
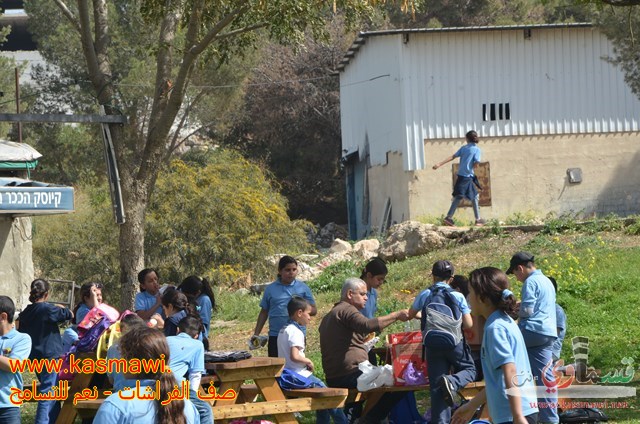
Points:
x=370 y=95
x=552 y=80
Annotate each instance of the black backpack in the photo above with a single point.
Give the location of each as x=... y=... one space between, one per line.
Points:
x=583 y=415
x=441 y=321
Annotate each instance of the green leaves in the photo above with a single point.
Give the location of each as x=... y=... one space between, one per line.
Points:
x=222 y=218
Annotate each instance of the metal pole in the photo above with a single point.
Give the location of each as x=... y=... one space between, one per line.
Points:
x=18 y=104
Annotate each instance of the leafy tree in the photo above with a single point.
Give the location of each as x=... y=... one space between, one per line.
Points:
x=462 y=13
x=291 y=123
x=620 y=23
x=164 y=42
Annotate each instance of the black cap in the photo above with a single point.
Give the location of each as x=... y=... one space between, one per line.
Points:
x=520 y=258
x=442 y=269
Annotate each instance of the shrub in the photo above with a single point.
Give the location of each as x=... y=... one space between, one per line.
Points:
x=221 y=217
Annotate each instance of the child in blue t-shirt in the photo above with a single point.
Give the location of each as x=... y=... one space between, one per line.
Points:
x=13 y=346
x=200 y=294
x=148 y=301
x=147 y=344
x=509 y=388
x=186 y=355
x=445 y=386
x=40 y=321
x=466 y=181
x=291 y=347
x=275 y=299
x=374 y=274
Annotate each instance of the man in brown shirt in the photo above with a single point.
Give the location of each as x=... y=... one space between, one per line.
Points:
x=342 y=335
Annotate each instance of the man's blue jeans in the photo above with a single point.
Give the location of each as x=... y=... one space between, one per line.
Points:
x=456 y=201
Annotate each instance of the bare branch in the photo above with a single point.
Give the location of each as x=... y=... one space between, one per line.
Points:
x=222 y=24
x=241 y=31
x=68 y=14
x=174 y=141
x=185 y=138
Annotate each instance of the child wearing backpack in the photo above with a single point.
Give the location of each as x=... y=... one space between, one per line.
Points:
x=291 y=343
x=90 y=296
x=40 y=321
x=509 y=388
x=444 y=313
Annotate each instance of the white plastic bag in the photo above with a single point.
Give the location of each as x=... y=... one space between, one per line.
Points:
x=366 y=380
x=373 y=377
x=386 y=376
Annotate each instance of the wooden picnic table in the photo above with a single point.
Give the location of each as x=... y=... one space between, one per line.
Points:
x=80 y=381
x=372 y=397
x=263 y=371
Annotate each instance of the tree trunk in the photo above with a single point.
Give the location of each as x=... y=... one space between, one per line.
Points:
x=131 y=240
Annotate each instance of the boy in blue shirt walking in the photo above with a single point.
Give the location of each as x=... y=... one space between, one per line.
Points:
x=467 y=181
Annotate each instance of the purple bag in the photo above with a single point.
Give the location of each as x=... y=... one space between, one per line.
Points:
x=89 y=340
x=413 y=377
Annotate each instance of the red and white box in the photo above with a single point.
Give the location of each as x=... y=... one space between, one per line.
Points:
x=405 y=348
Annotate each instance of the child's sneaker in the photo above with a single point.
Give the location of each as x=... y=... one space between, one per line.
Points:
x=480 y=222
x=448 y=393
x=448 y=221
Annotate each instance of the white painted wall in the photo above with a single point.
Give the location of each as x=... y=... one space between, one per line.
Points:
x=370 y=101
x=16 y=263
x=556 y=82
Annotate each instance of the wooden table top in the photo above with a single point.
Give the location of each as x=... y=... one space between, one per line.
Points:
x=255 y=362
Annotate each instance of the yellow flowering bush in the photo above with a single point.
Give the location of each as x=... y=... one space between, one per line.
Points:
x=571 y=271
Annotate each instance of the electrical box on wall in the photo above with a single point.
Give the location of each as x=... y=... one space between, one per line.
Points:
x=574 y=175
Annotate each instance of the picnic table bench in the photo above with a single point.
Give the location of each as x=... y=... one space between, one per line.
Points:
x=263 y=371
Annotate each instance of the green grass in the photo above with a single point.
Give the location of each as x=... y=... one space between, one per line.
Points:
x=597 y=273
x=598 y=279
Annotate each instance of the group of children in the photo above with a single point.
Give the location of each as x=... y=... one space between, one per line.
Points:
x=510 y=388
x=170 y=324
x=184 y=314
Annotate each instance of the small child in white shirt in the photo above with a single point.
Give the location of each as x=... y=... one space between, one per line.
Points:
x=291 y=344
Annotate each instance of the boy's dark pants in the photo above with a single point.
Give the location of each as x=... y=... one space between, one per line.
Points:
x=439 y=364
